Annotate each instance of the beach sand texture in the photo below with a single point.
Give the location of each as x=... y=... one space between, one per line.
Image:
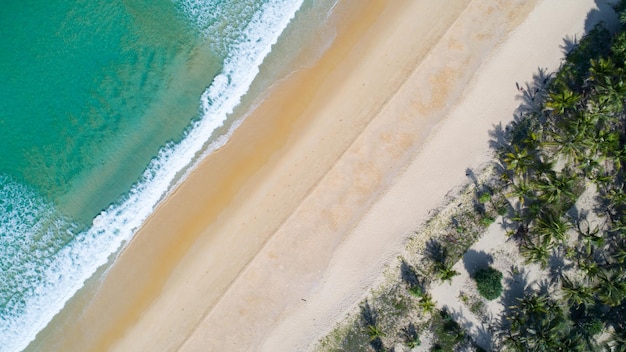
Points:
x=323 y=183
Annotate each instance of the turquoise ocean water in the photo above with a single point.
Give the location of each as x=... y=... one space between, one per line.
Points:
x=105 y=105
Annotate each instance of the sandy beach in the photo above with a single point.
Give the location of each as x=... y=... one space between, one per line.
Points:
x=323 y=183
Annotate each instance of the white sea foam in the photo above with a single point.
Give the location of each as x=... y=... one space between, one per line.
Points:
x=66 y=270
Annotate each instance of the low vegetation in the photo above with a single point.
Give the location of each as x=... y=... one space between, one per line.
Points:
x=489 y=282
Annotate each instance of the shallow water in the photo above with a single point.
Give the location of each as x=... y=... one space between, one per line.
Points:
x=105 y=104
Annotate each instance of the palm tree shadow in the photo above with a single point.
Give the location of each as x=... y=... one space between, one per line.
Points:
x=470 y=173
x=533 y=95
x=577 y=215
x=481 y=335
x=435 y=252
x=409 y=276
x=410 y=333
x=479 y=189
x=603 y=13
x=516 y=284
x=543 y=286
x=602 y=203
x=377 y=344
x=369 y=319
x=519 y=229
x=498 y=137
x=569 y=43
x=557 y=266
x=484 y=337
x=368 y=315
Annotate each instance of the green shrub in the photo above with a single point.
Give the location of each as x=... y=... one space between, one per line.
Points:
x=487 y=220
x=489 y=282
x=374 y=332
x=416 y=291
x=484 y=197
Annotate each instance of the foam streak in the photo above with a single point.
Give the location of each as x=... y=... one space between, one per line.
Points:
x=68 y=269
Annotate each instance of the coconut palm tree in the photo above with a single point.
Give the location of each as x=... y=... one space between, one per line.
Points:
x=518 y=160
x=537 y=253
x=601 y=69
x=557 y=188
x=446 y=273
x=562 y=101
x=611 y=287
x=589 y=236
x=618 y=253
x=576 y=294
x=570 y=137
x=374 y=332
x=608 y=81
x=544 y=166
x=616 y=198
x=600 y=176
x=607 y=143
x=537 y=324
x=426 y=303
x=521 y=190
x=588 y=266
x=551 y=225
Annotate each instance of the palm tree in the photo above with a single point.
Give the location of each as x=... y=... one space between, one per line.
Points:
x=570 y=137
x=551 y=225
x=608 y=82
x=554 y=188
x=589 y=235
x=518 y=160
x=533 y=210
x=576 y=294
x=601 y=177
x=562 y=101
x=543 y=166
x=588 y=266
x=521 y=190
x=611 y=287
x=537 y=324
x=600 y=69
x=607 y=143
x=534 y=137
x=575 y=342
x=617 y=342
x=537 y=253
x=618 y=254
x=617 y=199
x=374 y=332
x=446 y=273
x=533 y=304
x=426 y=303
